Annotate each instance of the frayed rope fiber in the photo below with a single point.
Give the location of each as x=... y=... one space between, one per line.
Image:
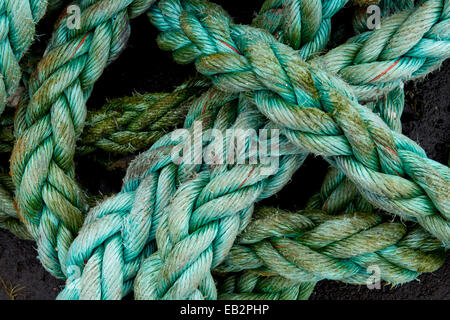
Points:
x=195 y=231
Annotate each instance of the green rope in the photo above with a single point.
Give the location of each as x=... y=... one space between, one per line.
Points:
x=209 y=97
x=122 y=126
x=17 y=29
x=196 y=212
x=360 y=148
x=338 y=193
x=63 y=207
x=51 y=204
x=310 y=246
x=89 y=257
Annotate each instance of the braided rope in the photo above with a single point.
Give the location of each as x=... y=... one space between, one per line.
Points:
x=304 y=25
x=125 y=125
x=181 y=270
x=95 y=270
x=159 y=182
x=252 y=286
x=371 y=155
x=49 y=200
x=284 y=254
x=92 y=288
x=387 y=7
x=201 y=183
x=122 y=126
x=17 y=28
x=283 y=245
x=338 y=193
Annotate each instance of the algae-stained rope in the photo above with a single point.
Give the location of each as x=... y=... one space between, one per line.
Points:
x=125 y=125
x=342 y=247
x=303 y=24
x=386 y=7
x=49 y=200
x=389 y=169
x=161 y=176
x=301 y=249
x=192 y=278
x=18 y=19
x=122 y=126
x=338 y=193
x=94 y=266
x=252 y=286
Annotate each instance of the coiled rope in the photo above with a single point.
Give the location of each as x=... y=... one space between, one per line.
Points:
x=196 y=212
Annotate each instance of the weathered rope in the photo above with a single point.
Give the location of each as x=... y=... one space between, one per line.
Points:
x=387 y=7
x=156 y=177
x=302 y=24
x=171 y=279
x=50 y=203
x=17 y=30
x=99 y=277
x=338 y=193
x=71 y=49
x=310 y=246
x=372 y=156
x=122 y=126
x=125 y=125
x=102 y=276
x=252 y=286
x=210 y=186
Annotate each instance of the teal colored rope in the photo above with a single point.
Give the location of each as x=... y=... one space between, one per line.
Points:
x=408 y=159
x=99 y=277
x=387 y=7
x=163 y=176
x=62 y=209
x=304 y=25
x=252 y=286
x=17 y=30
x=297 y=250
x=338 y=193
x=338 y=247
x=192 y=279
x=87 y=276
x=51 y=204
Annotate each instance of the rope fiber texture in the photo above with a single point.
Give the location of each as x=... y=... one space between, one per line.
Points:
x=195 y=212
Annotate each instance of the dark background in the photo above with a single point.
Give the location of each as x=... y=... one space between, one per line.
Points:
x=143 y=67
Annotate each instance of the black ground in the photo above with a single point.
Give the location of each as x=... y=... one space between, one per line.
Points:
x=145 y=68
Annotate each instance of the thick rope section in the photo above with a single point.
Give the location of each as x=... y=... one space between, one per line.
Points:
x=49 y=200
x=100 y=276
x=380 y=162
x=122 y=126
x=191 y=279
x=304 y=25
x=54 y=88
x=17 y=30
x=165 y=177
x=281 y=255
x=310 y=246
x=338 y=193
x=197 y=189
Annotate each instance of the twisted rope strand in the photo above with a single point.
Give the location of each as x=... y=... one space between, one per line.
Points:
x=338 y=247
x=49 y=200
x=376 y=159
x=17 y=30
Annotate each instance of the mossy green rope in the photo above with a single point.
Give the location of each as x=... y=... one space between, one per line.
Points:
x=51 y=203
x=92 y=274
